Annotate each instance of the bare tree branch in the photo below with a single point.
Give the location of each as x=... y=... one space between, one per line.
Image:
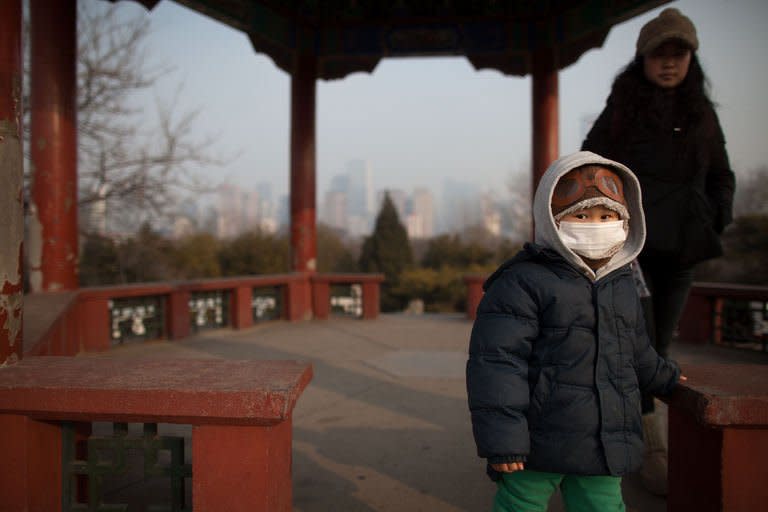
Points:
x=137 y=168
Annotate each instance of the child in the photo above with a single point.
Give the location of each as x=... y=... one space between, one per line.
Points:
x=559 y=354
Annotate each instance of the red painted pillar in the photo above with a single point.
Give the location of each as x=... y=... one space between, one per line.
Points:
x=11 y=179
x=53 y=237
x=298 y=298
x=303 y=228
x=545 y=114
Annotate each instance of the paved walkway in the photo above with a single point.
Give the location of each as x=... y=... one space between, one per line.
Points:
x=384 y=425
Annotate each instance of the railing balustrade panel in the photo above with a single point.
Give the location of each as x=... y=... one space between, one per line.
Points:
x=347 y=300
x=110 y=467
x=742 y=323
x=136 y=319
x=209 y=310
x=267 y=303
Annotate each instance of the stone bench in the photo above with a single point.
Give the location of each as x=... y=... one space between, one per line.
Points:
x=240 y=412
x=718 y=439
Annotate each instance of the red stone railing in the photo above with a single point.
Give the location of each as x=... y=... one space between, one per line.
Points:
x=706 y=318
x=707 y=315
x=718 y=439
x=240 y=412
x=81 y=322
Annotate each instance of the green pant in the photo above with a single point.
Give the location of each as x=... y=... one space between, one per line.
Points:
x=530 y=491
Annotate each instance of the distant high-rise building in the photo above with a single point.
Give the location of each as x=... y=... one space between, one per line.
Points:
x=228 y=206
x=283 y=211
x=239 y=210
x=422 y=213
x=360 y=188
x=249 y=210
x=265 y=208
x=334 y=209
x=348 y=203
x=460 y=206
x=491 y=214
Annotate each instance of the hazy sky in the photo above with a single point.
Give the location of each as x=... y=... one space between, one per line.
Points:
x=420 y=120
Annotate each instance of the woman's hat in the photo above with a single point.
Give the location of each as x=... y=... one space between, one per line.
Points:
x=670 y=24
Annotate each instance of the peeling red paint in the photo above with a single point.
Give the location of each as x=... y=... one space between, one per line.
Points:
x=11 y=178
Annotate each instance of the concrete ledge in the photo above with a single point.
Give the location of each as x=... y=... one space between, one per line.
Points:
x=240 y=412
x=720 y=395
x=718 y=439
x=179 y=391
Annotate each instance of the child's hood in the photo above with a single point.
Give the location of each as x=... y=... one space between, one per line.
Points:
x=546 y=235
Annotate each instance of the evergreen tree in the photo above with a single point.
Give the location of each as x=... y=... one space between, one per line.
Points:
x=333 y=253
x=387 y=251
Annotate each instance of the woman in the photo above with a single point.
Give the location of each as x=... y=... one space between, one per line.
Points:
x=660 y=122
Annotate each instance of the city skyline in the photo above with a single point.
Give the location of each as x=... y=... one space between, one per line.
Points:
x=418 y=120
x=350 y=205
x=430 y=123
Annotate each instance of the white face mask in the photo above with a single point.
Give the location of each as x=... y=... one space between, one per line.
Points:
x=593 y=240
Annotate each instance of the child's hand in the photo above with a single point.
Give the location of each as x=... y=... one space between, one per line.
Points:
x=510 y=467
x=683 y=377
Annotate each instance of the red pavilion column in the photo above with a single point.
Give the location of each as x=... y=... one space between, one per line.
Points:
x=303 y=228
x=545 y=114
x=53 y=236
x=11 y=180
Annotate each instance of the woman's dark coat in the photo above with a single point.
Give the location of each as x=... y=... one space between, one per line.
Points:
x=683 y=168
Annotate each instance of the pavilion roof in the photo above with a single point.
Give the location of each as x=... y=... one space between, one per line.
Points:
x=348 y=36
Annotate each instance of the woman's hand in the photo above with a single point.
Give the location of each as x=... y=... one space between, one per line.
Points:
x=509 y=467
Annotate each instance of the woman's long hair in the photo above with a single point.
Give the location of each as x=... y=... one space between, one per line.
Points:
x=636 y=100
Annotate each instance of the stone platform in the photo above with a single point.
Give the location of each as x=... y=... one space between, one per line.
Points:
x=384 y=425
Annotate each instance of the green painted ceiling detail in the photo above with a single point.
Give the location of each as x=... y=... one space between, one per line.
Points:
x=346 y=36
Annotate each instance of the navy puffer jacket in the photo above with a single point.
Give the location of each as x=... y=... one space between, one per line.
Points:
x=559 y=354
x=556 y=367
